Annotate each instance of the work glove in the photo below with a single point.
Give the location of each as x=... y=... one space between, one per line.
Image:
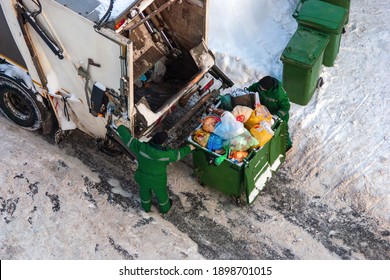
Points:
x=116 y=121
x=119 y=120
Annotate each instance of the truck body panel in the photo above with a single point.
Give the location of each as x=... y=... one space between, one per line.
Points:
x=70 y=52
x=7 y=43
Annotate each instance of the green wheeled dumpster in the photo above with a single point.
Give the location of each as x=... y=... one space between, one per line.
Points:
x=302 y=61
x=326 y=18
x=246 y=178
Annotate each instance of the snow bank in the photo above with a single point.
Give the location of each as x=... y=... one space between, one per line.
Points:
x=248 y=37
x=341 y=138
x=119 y=7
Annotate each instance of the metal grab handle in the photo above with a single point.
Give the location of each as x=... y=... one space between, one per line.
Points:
x=298 y=8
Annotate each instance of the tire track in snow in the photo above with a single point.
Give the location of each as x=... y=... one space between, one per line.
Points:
x=310 y=160
x=350 y=234
x=354 y=176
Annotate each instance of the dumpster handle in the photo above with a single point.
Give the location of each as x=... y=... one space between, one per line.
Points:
x=298 y=8
x=221 y=158
x=277 y=124
x=210 y=159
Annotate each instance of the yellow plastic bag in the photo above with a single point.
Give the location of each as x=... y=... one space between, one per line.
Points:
x=262 y=132
x=258 y=115
x=201 y=137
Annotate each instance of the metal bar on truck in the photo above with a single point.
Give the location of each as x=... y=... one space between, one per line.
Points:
x=142 y=21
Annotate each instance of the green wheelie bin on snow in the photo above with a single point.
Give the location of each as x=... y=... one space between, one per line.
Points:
x=246 y=178
x=302 y=61
x=346 y=4
x=326 y=18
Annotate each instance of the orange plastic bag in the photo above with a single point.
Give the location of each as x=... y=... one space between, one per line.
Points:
x=209 y=123
x=262 y=132
x=238 y=155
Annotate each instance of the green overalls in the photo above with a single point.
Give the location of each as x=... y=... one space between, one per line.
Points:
x=151 y=174
x=277 y=102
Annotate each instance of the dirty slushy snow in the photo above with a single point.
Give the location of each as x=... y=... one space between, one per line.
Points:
x=330 y=200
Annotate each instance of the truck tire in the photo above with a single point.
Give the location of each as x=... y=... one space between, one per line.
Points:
x=19 y=104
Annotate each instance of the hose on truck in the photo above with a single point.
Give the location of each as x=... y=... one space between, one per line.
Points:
x=105 y=17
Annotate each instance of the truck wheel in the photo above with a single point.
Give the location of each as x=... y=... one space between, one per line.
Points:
x=19 y=104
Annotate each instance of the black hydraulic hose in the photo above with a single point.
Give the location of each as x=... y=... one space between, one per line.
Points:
x=38 y=3
x=30 y=18
x=49 y=42
x=105 y=16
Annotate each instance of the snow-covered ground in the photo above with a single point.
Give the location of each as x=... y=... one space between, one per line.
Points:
x=341 y=138
x=330 y=200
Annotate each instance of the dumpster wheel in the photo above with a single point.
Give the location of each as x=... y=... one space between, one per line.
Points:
x=201 y=183
x=236 y=200
x=320 y=82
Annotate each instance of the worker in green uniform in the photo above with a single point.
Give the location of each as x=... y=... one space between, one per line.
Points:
x=153 y=159
x=274 y=97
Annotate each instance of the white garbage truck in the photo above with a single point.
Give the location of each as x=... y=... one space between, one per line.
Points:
x=82 y=64
x=77 y=64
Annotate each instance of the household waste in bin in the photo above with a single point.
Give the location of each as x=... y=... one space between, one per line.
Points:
x=302 y=61
x=238 y=149
x=324 y=17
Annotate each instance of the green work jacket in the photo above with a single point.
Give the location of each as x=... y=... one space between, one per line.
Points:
x=275 y=99
x=152 y=159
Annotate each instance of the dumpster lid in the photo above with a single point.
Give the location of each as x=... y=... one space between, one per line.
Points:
x=323 y=16
x=305 y=47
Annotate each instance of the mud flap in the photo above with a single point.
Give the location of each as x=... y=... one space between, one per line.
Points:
x=49 y=121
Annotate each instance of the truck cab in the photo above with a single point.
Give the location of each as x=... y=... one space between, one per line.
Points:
x=84 y=63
